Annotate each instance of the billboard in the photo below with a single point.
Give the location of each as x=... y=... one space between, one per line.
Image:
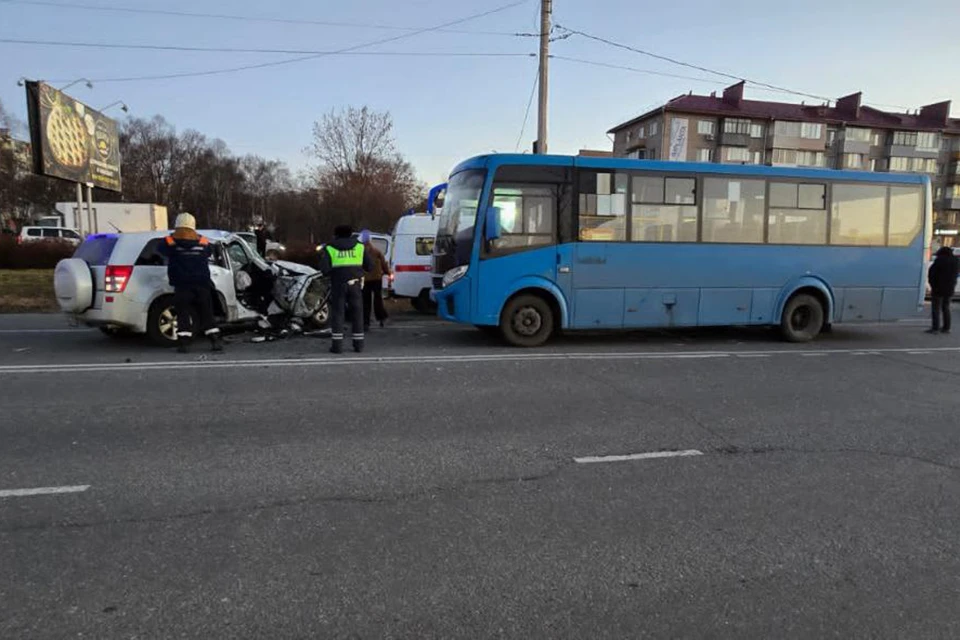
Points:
x=70 y=140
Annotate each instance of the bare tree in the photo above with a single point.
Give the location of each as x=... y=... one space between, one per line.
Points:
x=362 y=178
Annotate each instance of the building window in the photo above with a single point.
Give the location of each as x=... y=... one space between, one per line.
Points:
x=873 y=164
x=810 y=158
x=939 y=193
x=603 y=207
x=784 y=156
x=876 y=140
x=922 y=165
x=858 y=215
x=811 y=130
x=629 y=136
x=853 y=161
x=786 y=129
x=654 y=128
x=899 y=164
x=905 y=138
x=736 y=125
x=928 y=141
x=757 y=157
x=733 y=210
x=737 y=154
x=705 y=127
x=831 y=135
x=704 y=155
x=641 y=133
x=756 y=131
x=663 y=209
x=797 y=213
x=857 y=134
x=633 y=155
x=906 y=215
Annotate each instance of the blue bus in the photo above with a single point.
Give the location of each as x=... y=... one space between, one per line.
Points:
x=530 y=245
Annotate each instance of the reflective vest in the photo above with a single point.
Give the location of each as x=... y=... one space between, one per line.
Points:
x=346 y=257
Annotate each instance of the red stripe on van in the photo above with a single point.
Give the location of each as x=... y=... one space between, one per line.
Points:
x=400 y=268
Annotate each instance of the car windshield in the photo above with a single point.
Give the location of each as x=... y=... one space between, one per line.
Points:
x=459 y=214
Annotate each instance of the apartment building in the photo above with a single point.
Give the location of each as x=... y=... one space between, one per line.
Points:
x=848 y=135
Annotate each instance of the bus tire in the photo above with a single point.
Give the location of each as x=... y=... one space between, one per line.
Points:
x=527 y=321
x=803 y=318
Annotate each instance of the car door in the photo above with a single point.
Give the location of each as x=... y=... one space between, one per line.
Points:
x=235 y=256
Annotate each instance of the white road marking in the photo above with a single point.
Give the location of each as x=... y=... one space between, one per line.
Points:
x=918 y=353
x=81 y=330
x=753 y=355
x=639 y=456
x=516 y=356
x=42 y=491
x=813 y=355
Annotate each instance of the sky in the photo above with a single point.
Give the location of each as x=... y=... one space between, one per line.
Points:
x=447 y=108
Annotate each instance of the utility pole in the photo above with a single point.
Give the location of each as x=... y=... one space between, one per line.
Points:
x=546 y=9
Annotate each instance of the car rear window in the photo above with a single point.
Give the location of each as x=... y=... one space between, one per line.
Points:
x=96 y=250
x=34 y=233
x=150 y=256
x=424 y=246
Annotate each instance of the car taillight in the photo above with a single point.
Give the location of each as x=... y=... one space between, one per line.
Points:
x=116 y=278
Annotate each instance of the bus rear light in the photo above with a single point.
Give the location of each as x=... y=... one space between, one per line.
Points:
x=116 y=278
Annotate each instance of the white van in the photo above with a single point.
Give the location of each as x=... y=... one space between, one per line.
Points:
x=411 y=259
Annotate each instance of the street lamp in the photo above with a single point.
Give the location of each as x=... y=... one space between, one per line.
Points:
x=83 y=80
x=123 y=106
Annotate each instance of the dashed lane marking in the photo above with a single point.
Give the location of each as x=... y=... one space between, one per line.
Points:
x=639 y=456
x=42 y=491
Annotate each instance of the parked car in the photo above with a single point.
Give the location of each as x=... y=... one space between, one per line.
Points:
x=41 y=234
x=274 y=249
x=956 y=295
x=411 y=260
x=118 y=282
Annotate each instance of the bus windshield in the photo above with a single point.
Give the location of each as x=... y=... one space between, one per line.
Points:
x=459 y=214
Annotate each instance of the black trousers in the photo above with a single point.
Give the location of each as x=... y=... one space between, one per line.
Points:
x=373 y=299
x=941 y=305
x=186 y=300
x=343 y=295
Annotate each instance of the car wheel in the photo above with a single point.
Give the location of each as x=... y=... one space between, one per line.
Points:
x=322 y=317
x=115 y=332
x=527 y=321
x=423 y=304
x=162 y=322
x=802 y=318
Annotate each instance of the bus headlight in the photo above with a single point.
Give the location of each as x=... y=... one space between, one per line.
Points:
x=454 y=274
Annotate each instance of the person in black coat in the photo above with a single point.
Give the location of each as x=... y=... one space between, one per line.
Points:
x=188 y=270
x=942 y=277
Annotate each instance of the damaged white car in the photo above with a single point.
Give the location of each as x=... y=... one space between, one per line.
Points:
x=118 y=282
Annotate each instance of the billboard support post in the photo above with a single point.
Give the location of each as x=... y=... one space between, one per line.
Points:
x=78 y=218
x=90 y=224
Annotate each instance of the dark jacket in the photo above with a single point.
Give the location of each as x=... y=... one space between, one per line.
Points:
x=188 y=259
x=341 y=275
x=262 y=236
x=942 y=275
x=380 y=266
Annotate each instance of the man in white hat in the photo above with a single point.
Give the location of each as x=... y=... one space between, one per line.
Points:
x=188 y=269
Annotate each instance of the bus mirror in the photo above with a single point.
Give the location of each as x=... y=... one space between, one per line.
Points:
x=491 y=225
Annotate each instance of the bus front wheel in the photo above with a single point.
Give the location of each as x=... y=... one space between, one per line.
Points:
x=527 y=321
x=802 y=318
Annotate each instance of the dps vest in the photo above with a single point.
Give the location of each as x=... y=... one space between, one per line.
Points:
x=346 y=257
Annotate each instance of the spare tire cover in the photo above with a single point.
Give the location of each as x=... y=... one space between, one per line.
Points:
x=73 y=285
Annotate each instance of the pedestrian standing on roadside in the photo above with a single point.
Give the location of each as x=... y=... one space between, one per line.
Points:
x=373 y=282
x=942 y=277
x=188 y=269
x=344 y=261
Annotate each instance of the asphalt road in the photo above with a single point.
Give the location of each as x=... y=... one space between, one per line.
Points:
x=431 y=488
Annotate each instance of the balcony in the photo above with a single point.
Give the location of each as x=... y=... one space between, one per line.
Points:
x=907 y=151
x=734 y=139
x=855 y=146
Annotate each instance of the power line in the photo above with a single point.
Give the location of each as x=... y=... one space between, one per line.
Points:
x=626 y=68
x=313 y=56
x=681 y=63
x=163 y=47
x=238 y=18
x=526 y=114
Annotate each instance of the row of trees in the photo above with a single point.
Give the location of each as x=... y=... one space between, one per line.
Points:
x=360 y=178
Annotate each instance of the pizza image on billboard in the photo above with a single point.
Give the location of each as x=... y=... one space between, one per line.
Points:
x=70 y=140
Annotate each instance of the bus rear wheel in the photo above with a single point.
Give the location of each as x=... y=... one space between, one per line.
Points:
x=802 y=318
x=527 y=321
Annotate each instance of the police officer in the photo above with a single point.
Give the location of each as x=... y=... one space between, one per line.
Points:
x=344 y=260
x=188 y=269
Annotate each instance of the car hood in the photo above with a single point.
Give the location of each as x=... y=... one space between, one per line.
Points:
x=295 y=267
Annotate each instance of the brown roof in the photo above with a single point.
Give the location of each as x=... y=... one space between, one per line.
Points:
x=847 y=110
